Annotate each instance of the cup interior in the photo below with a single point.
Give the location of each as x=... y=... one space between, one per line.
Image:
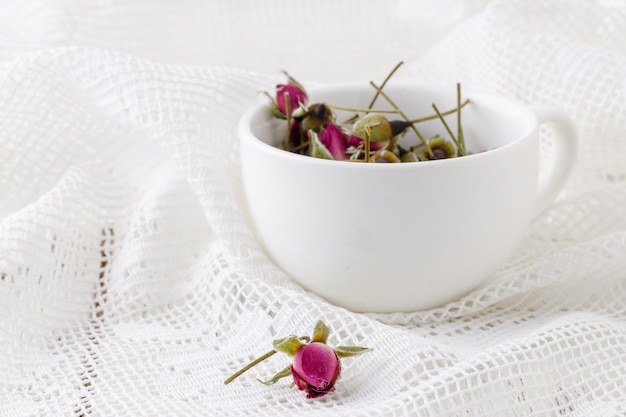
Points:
x=489 y=122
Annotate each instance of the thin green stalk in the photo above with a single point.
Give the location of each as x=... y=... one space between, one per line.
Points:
x=368 y=146
x=288 y=110
x=404 y=116
x=248 y=366
x=435 y=116
x=384 y=83
x=358 y=110
x=459 y=133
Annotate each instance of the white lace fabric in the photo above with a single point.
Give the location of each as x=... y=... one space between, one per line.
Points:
x=131 y=281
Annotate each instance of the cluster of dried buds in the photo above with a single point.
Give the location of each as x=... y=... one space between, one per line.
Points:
x=312 y=129
x=315 y=367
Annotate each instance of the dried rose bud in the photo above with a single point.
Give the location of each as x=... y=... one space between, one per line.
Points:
x=384 y=156
x=317 y=116
x=315 y=369
x=440 y=148
x=297 y=98
x=334 y=141
x=378 y=127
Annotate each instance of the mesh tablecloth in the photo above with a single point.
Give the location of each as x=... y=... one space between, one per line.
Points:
x=131 y=281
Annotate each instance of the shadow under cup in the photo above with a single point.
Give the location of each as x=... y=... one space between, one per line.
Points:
x=395 y=237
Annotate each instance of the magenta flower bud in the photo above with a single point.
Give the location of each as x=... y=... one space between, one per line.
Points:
x=335 y=141
x=315 y=369
x=297 y=97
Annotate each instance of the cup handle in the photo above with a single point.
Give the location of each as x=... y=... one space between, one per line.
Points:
x=559 y=163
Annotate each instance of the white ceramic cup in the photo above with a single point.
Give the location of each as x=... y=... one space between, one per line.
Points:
x=405 y=236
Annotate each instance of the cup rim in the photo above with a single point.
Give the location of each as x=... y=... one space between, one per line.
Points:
x=246 y=133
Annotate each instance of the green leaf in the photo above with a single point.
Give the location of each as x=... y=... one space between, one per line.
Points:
x=289 y=345
x=279 y=375
x=345 y=351
x=321 y=332
x=317 y=148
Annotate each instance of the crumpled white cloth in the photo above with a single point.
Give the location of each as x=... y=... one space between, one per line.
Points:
x=131 y=282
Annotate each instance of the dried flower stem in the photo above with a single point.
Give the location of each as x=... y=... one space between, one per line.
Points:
x=459 y=133
x=404 y=116
x=436 y=116
x=288 y=111
x=384 y=83
x=396 y=111
x=358 y=110
x=248 y=366
x=367 y=144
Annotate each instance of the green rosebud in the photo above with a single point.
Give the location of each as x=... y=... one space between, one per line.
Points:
x=377 y=126
x=440 y=148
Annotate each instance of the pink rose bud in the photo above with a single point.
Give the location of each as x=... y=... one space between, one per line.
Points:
x=315 y=369
x=297 y=97
x=335 y=141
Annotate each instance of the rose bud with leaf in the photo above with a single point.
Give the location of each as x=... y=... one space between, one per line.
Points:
x=315 y=367
x=290 y=100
